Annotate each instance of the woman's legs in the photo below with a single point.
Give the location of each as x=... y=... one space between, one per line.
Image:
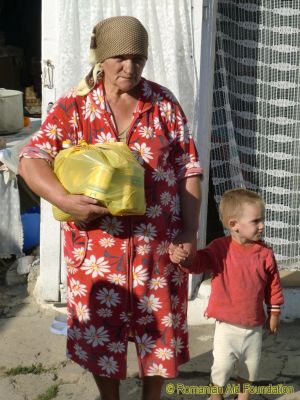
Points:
x=109 y=388
x=152 y=386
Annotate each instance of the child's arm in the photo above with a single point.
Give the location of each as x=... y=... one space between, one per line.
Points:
x=273 y=295
x=201 y=263
x=273 y=322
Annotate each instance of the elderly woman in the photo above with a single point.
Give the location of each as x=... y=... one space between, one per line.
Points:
x=121 y=284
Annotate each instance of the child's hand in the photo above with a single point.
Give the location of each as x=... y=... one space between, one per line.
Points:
x=273 y=323
x=177 y=253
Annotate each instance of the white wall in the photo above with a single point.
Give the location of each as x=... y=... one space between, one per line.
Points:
x=50 y=255
x=204 y=21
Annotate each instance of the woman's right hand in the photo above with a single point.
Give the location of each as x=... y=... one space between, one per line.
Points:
x=83 y=209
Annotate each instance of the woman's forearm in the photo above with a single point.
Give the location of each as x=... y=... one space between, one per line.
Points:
x=41 y=179
x=190 y=201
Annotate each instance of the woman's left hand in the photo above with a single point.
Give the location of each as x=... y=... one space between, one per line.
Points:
x=188 y=241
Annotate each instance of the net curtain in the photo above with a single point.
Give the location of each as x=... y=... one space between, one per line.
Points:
x=256 y=115
x=170 y=60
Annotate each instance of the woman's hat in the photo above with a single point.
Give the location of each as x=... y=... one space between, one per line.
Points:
x=117 y=36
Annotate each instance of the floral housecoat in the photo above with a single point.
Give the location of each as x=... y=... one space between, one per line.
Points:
x=121 y=283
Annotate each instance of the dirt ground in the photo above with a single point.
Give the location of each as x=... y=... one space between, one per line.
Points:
x=33 y=365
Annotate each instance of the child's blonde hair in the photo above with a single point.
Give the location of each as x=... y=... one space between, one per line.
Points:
x=233 y=201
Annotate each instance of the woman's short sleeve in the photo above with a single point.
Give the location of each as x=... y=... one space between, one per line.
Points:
x=57 y=127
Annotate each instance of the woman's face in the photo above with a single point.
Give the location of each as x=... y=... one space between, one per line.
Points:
x=123 y=72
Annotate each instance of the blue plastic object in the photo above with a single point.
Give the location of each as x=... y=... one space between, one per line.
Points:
x=31 y=228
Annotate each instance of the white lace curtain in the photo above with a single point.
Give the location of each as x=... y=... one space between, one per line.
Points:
x=256 y=117
x=168 y=23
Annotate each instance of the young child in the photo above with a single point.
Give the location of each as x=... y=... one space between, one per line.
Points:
x=244 y=277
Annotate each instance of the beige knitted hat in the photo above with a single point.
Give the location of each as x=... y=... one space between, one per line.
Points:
x=113 y=37
x=116 y=36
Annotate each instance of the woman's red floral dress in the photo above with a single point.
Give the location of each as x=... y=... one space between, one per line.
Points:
x=121 y=283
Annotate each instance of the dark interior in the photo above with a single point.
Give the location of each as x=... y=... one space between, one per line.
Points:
x=20 y=47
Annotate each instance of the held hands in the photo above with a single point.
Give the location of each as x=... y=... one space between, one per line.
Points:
x=83 y=209
x=183 y=248
x=177 y=253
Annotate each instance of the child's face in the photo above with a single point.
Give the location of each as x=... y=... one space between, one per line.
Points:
x=249 y=226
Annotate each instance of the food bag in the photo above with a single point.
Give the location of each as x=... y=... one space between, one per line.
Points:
x=106 y=172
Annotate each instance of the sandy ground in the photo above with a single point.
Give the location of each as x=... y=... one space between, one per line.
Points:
x=27 y=340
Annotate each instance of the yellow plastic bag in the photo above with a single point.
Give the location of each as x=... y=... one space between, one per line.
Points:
x=107 y=172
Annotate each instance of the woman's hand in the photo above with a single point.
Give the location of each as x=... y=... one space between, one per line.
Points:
x=83 y=209
x=177 y=254
x=187 y=240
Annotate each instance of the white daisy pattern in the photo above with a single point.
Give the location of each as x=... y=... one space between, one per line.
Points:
x=157 y=369
x=90 y=110
x=96 y=337
x=108 y=364
x=105 y=138
x=168 y=112
x=143 y=249
x=74 y=333
x=178 y=277
x=149 y=304
x=98 y=97
x=170 y=176
x=157 y=283
x=83 y=312
x=47 y=148
x=145 y=344
x=124 y=317
x=154 y=211
x=104 y=312
x=157 y=124
x=78 y=253
x=174 y=301
x=124 y=246
x=70 y=268
x=146 y=232
x=77 y=288
x=90 y=244
x=147 y=319
x=80 y=353
x=95 y=267
x=142 y=152
x=164 y=353
x=109 y=297
x=117 y=279
x=146 y=132
x=165 y=198
x=53 y=132
x=107 y=242
x=74 y=120
x=140 y=275
x=116 y=347
x=168 y=320
x=163 y=247
x=158 y=174
x=177 y=344
x=184 y=134
x=168 y=270
x=175 y=205
x=111 y=225
x=184 y=159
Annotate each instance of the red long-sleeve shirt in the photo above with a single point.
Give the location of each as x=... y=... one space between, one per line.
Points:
x=244 y=277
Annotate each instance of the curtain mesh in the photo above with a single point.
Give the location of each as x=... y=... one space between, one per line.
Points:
x=256 y=113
